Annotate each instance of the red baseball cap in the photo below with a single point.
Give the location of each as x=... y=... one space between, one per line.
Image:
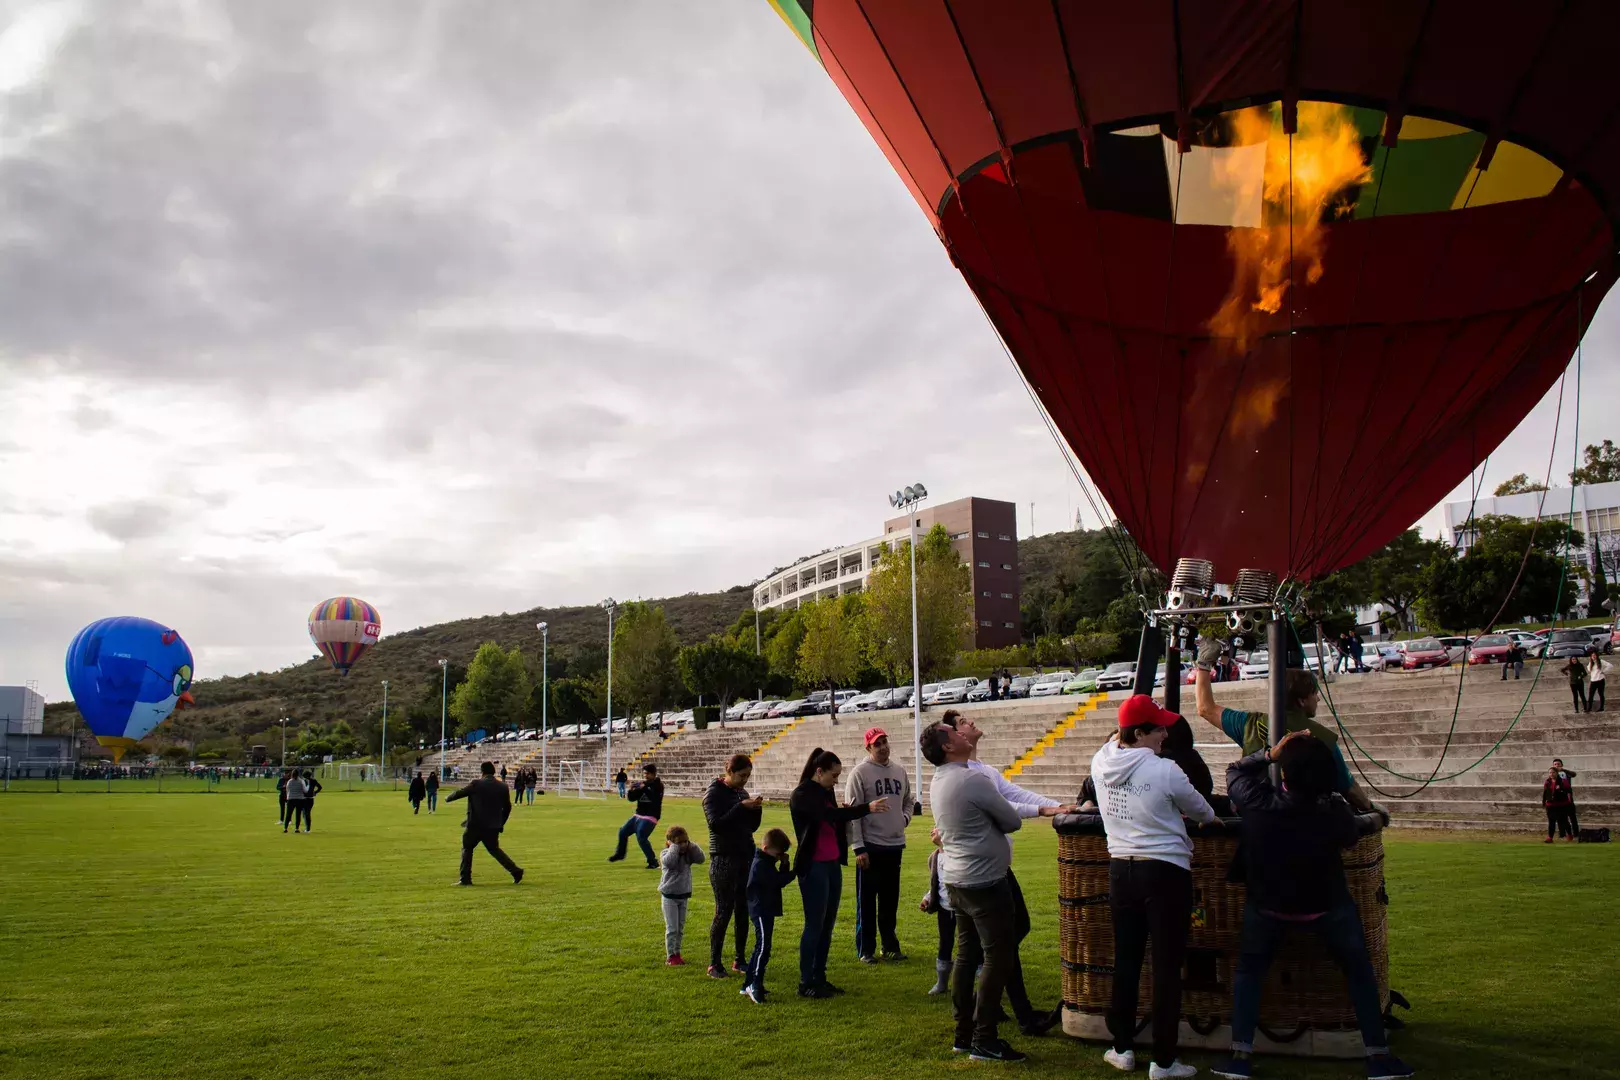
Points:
x=873 y=734
x=1142 y=709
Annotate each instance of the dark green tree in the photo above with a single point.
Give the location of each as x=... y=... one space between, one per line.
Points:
x=496 y=693
x=1602 y=464
x=645 y=679
x=719 y=670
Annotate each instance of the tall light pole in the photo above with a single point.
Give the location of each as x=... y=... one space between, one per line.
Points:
x=608 y=773
x=545 y=700
x=384 y=755
x=444 y=710
x=759 y=691
x=908 y=499
x=283 y=723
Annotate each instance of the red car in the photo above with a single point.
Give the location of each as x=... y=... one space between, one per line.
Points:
x=1491 y=649
x=1425 y=652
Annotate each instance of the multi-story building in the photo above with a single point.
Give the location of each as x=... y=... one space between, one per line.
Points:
x=984 y=533
x=1593 y=509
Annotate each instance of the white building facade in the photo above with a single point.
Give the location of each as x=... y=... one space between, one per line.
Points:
x=1592 y=509
x=22 y=711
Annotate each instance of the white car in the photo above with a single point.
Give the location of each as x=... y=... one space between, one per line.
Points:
x=898 y=697
x=1456 y=647
x=1381 y=656
x=952 y=691
x=1049 y=685
x=738 y=708
x=1532 y=644
x=1119 y=675
x=927 y=692
x=841 y=699
x=761 y=709
x=1257 y=666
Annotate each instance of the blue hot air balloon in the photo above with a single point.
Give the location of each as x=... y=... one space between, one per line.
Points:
x=127 y=675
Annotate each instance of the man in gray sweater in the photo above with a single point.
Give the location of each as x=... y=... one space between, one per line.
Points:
x=973 y=821
x=879 y=841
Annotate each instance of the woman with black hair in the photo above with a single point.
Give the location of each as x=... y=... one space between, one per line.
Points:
x=823 y=851
x=312 y=788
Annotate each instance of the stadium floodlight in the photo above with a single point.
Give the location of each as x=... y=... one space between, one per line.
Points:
x=383 y=756
x=545 y=695
x=283 y=723
x=444 y=711
x=607 y=778
x=908 y=499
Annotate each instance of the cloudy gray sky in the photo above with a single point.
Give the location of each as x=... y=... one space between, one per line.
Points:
x=465 y=307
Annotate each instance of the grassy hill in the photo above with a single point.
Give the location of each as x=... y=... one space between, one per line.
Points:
x=238 y=706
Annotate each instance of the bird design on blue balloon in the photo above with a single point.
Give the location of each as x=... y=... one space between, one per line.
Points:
x=127 y=675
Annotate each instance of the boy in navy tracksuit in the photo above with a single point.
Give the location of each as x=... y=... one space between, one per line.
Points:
x=768 y=875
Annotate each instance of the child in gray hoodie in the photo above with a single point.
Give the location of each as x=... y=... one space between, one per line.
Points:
x=675 y=887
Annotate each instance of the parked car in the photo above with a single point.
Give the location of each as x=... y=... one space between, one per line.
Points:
x=1533 y=644
x=1571 y=641
x=529 y=735
x=896 y=697
x=1603 y=637
x=952 y=691
x=1257 y=666
x=1425 y=652
x=739 y=708
x=817 y=696
x=1048 y=685
x=1313 y=662
x=1490 y=649
x=981 y=692
x=1456 y=647
x=761 y=709
x=877 y=699
x=1614 y=636
x=1382 y=656
x=928 y=689
x=787 y=708
x=841 y=698
x=1019 y=686
x=1083 y=683
x=1117 y=676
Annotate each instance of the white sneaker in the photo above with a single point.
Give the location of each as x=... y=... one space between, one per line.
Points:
x=1176 y=1071
x=1125 y=1062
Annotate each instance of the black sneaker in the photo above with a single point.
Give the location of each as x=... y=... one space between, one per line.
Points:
x=831 y=989
x=961 y=1046
x=995 y=1051
x=866 y=959
x=615 y=858
x=1388 y=1067
x=517 y=878
x=1040 y=1024
x=814 y=992
x=893 y=955
x=652 y=866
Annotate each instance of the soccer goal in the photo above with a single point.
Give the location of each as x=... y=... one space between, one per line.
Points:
x=571 y=780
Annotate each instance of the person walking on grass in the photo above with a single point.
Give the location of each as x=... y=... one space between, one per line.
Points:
x=675 y=888
x=1031 y=1021
x=1294 y=874
x=312 y=788
x=768 y=875
x=973 y=821
x=417 y=792
x=879 y=843
x=649 y=796
x=621 y=778
x=489 y=804
x=1558 y=799
x=732 y=816
x=823 y=852
x=432 y=788
x=294 y=798
x=1142 y=798
x=281 y=798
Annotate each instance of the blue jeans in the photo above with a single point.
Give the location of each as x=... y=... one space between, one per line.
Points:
x=621 y=789
x=764 y=925
x=433 y=799
x=640 y=828
x=821 y=886
x=1340 y=930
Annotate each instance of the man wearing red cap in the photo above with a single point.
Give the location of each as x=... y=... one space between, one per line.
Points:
x=879 y=841
x=1142 y=798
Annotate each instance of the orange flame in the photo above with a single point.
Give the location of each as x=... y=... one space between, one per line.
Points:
x=1306 y=177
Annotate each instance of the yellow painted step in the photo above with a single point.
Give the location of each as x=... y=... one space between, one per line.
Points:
x=766 y=745
x=1062 y=728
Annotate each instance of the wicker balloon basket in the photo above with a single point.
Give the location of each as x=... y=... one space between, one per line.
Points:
x=1305 y=1009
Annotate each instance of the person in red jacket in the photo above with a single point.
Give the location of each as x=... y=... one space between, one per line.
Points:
x=1558 y=799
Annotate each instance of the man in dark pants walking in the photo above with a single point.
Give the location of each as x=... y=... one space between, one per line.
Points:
x=489 y=804
x=974 y=821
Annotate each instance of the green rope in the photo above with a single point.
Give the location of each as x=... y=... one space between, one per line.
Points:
x=1569 y=526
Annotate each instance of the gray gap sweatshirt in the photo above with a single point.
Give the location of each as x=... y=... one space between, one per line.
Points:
x=867 y=781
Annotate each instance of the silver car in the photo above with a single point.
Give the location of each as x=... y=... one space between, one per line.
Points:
x=1120 y=675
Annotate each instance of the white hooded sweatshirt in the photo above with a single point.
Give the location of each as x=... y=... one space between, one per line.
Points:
x=1142 y=798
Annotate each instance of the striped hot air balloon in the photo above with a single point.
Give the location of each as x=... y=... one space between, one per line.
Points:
x=343 y=628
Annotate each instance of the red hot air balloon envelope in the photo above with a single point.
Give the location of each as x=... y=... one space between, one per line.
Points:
x=1282 y=273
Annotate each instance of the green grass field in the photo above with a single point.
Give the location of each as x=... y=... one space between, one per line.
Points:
x=186 y=936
